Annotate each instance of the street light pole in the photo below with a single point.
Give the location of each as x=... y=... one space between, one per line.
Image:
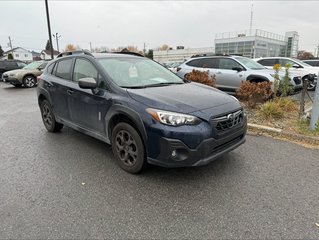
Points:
x=57 y=36
x=49 y=27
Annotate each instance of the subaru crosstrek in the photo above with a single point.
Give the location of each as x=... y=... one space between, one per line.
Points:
x=146 y=112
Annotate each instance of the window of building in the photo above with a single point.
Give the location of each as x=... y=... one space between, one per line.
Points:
x=26 y=55
x=16 y=55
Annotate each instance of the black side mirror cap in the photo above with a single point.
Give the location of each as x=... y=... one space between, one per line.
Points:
x=87 y=83
x=238 y=69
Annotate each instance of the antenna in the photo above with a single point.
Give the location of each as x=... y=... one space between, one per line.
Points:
x=251 y=19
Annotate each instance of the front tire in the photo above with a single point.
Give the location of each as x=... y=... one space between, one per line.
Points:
x=29 y=81
x=128 y=148
x=48 y=117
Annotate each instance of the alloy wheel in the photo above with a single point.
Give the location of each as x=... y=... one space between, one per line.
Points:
x=126 y=148
x=46 y=115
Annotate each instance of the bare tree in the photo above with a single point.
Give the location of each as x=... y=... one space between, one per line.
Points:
x=304 y=55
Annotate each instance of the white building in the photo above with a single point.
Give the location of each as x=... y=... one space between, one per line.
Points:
x=179 y=55
x=19 y=53
x=257 y=43
x=46 y=54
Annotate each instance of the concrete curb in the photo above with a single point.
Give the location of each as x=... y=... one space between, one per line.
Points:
x=264 y=130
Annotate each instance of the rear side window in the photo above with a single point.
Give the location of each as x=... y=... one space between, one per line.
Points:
x=209 y=62
x=63 y=69
x=313 y=63
x=194 y=63
x=267 y=62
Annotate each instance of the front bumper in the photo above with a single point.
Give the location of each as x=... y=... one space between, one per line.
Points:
x=175 y=153
x=11 y=80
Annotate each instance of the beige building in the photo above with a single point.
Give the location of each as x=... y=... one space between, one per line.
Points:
x=179 y=55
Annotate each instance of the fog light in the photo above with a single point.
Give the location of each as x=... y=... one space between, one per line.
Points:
x=174 y=154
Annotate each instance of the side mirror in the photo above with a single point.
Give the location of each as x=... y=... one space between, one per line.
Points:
x=40 y=69
x=238 y=69
x=87 y=83
x=295 y=66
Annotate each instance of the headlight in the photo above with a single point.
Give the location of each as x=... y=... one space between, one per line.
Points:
x=172 y=118
x=12 y=74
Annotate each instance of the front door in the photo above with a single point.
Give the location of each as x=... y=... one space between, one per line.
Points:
x=226 y=78
x=88 y=107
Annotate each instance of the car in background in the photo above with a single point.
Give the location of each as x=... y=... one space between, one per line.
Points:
x=7 y=65
x=297 y=67
x=27 y=76
x=312 y=62
x=230 y=71
x=146 y=112
x=173 y=66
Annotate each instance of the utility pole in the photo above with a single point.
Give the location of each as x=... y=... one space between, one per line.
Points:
x=251 y=19
x=49 y=27
x=57 y=36
x=315 y=109
x=144 y=50
x=90 y=47
x=10 y=45
x=318 y=50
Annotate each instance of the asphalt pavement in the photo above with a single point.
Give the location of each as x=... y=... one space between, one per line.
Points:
x=67 y=185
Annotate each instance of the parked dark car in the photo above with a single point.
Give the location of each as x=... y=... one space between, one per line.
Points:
x=146 y=112
x=7 y=65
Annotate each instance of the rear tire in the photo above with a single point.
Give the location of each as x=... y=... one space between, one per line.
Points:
x=128 y=148
x=48 y=117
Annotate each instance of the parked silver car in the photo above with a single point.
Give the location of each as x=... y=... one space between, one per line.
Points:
x=297 y=67
x=230 y=71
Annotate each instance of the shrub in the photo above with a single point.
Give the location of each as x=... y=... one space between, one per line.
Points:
x=287 y=104
x=254 y=93
x=201 y=77
x=270 y=110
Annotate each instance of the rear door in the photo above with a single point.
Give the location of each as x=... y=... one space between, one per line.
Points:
x=88 y=107
x=226 y=78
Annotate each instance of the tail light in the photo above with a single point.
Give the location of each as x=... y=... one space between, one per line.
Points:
x=177 y=69
x=38 y=78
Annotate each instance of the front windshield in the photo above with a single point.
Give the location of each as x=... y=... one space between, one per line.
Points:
x=33 y=65
x=138 y=72
x=302 y=63
x=251 y=64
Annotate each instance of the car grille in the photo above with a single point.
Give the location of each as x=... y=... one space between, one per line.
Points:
x=228 y=121
x=297 y=80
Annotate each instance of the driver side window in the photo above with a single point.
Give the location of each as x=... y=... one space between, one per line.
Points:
x=226 y=63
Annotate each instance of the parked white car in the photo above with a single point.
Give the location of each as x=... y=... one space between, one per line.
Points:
x=230 y=71
x=297 y=67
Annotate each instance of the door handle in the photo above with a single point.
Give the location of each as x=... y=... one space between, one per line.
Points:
x=69 y=91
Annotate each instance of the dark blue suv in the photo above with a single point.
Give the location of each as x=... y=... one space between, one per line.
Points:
x=147 y=113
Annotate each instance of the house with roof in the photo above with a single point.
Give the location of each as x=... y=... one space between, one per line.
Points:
x=46 y=54
x=36 y=56
x=19 y=53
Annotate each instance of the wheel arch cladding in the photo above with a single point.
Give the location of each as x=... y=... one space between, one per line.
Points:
x=120 y=113
x=257 y=78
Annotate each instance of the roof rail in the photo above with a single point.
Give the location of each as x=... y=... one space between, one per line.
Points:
x=75 y=53
x=208 y=54
x=130 y=53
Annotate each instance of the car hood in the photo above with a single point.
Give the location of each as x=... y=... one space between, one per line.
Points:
x=184 y=98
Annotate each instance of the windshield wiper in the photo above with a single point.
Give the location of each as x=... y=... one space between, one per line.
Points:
x=153 y=85
x=163 y=84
